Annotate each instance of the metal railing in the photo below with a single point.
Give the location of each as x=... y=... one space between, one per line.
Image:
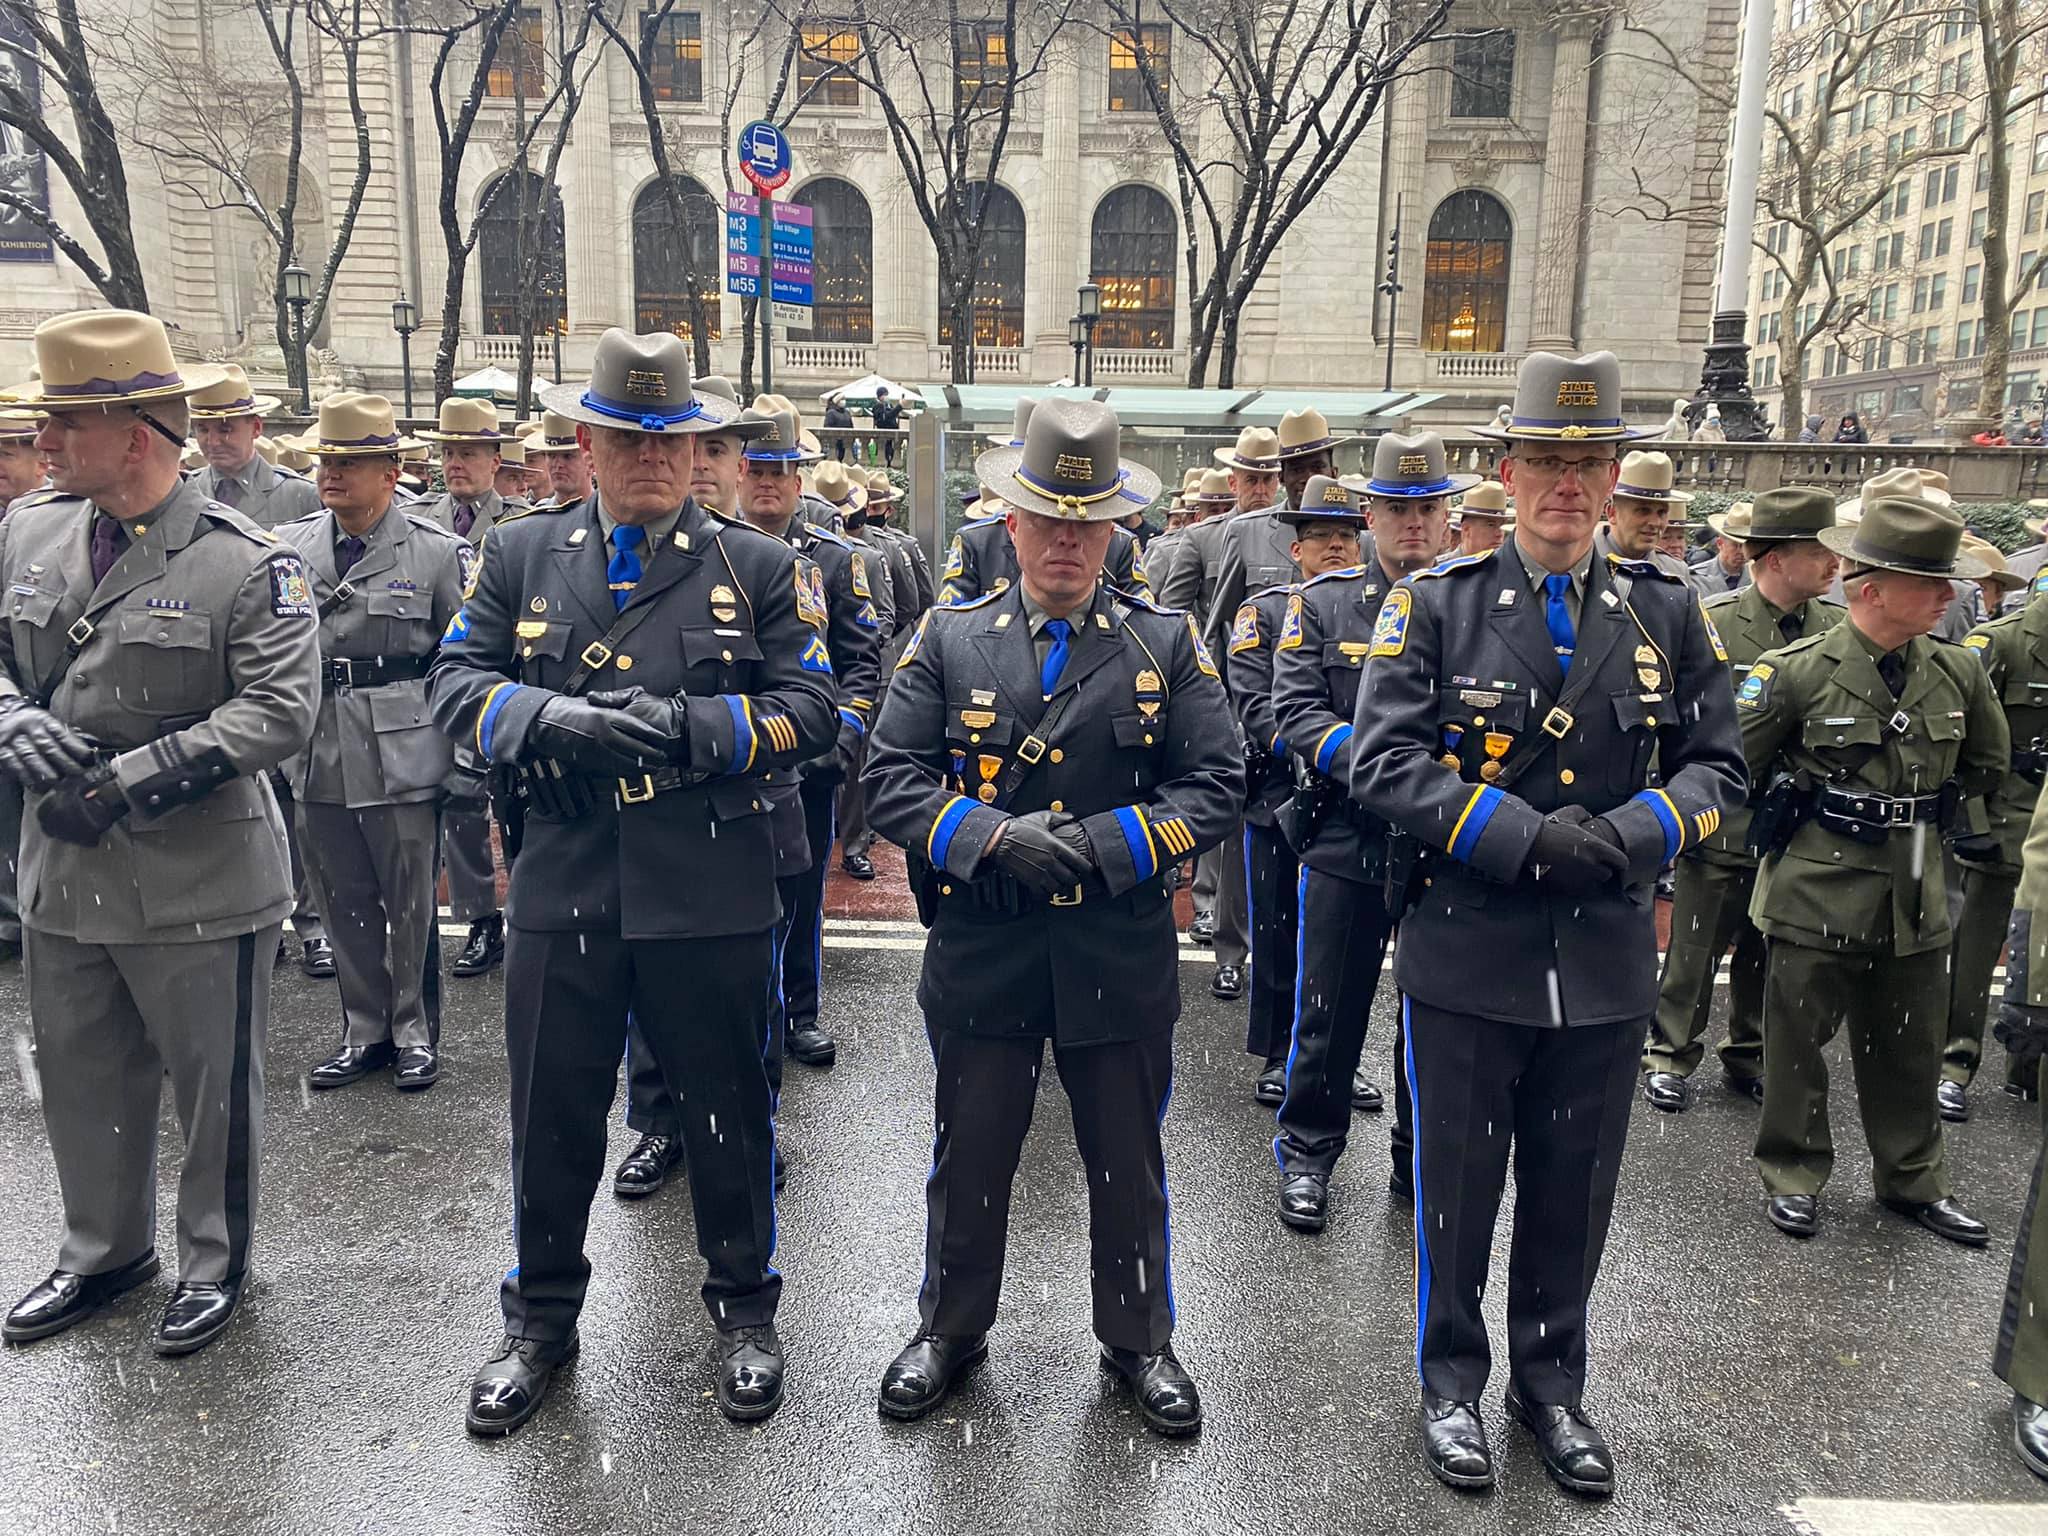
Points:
x=1472 y=367
x=848 y=360
x=1112 y=363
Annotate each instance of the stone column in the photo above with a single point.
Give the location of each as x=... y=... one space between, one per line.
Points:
x=1407 y=150
x=372 y=273
x=1054 y=243
x=1551 y=323
x=597 y=231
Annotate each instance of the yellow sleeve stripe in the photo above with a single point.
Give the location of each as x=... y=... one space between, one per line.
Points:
x=781 y=734
x=1459 y=825
x=1154 y=836
x=1705 y=825
x=753 y=733
x=1174 y=833
x=1676 y=816
x=484 y=713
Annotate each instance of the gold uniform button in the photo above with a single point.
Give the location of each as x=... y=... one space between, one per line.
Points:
x=625 y=663
x=1651 y=721
x=1479 y=719
x=1565 y=776
x=1056 y=805
x=974 y=735
x=1059 y=757
x=726 y=654
x=945 y=890
x=1148 y=738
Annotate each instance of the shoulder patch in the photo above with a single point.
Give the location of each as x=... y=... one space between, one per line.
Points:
x=458 y=627
x=1979 y=642
x=1456 y=563
x=816 y=658
x=859 y=576
x=1390 y=629
x=467 y=566
x=2040 y=583
x=1290 y=626
x=1756 y=688
x=1244 y=631
x=956 y=561
x=916 y=639
x=1642 y=568
x=291 y=594
x=1202 y=657
x=1713 y=634
x=810 y=593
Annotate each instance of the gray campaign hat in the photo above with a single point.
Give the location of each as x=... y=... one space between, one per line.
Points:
x=1414 y=467
x=1068 y=466
x=1324 y=500
x=642 y=384
x=1566 y=400
x=1014 y=438
x=1904 y=533
x=777 y=442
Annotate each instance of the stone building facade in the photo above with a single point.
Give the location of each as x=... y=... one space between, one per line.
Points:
x=1512 y=167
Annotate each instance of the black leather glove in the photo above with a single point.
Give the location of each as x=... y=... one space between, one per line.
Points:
x=1977 y=847
x=466 y=791
x=613 y=741
x=665 y=716
x=1573 y=860
x=1068 y=829
x=2023 y=1031
x=82 y=808
x=846 y=750
x=36 y=748
x=1036 y=857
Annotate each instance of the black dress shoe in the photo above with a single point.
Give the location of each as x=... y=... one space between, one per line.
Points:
x=1750 y=1088
x=1796 y=1214
x=484 y=948
x=316 y=958
x=1305 y=1201
x=1228 y=982
x=858 y=865
x=1944 y=1218
x=919 y=1378
x=647 y=1167
x=1454 y=1442
x=66 y=1298
x=508 y=1387
x=1271 y=1088
x=2030 y=1433
x=1667 y=1091
x=196 y=1315
x=1203 y=929
x=1401 y=1186
x=749 y=1372
x=1365 y=1094
x=1952 y=1100
x=2026 y=1093
x=351 y=1063
x=418 y=1067
x=1573 y=1451
x=812 y=1046
x=1167 y=1399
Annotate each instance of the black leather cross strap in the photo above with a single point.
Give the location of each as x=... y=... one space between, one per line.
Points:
x=590 y=661
x=1559 y=719
x=1031 y=750
x=340 y=674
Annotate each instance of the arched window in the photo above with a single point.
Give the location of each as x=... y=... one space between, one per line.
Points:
x=660 y=293
x=1131 y=255
x=999 y=283
x=842 y=257
x=511 y=230
x=1465 y=275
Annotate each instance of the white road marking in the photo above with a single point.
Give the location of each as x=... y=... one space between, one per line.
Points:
x=1873 y=1517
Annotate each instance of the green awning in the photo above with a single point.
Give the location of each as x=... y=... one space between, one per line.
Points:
x=1189 y=409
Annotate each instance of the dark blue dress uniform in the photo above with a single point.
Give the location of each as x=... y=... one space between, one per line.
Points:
x=1147 y=758
x=1526 y=1008
x=981 y=560
x=1318 y=662
x=660 y=901
x=1271 y=870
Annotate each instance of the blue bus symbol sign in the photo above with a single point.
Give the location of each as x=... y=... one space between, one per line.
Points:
x=764 y=156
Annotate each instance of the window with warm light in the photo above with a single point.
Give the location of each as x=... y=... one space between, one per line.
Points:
x=662 y=279
x=1131 y=249
x=676 y=64
x=999 y=274
x=843 y=277
x=508 y=236
x=981 y=65
x=520 y=66
x=1151 y=41
x=824 y=55
x=1465 y=275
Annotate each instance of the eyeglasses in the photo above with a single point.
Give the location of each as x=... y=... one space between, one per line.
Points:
x=1551 y=464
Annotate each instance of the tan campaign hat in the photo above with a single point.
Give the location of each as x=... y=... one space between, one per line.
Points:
x=1212 y=489
x=97 y=357
x=1488 y=499
x=1257 y=451
x=1925 y=484
x=1647 y=475
x=1905 y=533
x=1992 y=558
x=230 y=398
x=832 y=482
x=1307 y=431
x=466 y=421
x=880 y=487
x=352 y=426
x=512 y=450
x=18 y=426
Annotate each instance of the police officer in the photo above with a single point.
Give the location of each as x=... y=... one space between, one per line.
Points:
x=910 y=580
x=1864 y=740
x=1482 y=519
x=1642 y=507
x=555 y=449
x=980 y=559
x=470 y=507
x=21 y=471
x=1717 y=876
x=846 y=493
x=386 y=582
x=1509 y=712
x=2021 y=1356
x=1348 y=900
x=159 y=658
x=763 y=488
x=1325 y=540
x=1307 y=448
x=1255 y=544
x=21 y=467
x=2014 y=650
x=226 y=421
x=1044 y=754
x=1157 y=557
x=703 y=638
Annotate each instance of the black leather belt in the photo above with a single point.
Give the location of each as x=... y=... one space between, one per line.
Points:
x=344 y=674
x=1880 y=810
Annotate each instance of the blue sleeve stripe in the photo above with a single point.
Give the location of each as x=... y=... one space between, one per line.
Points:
x=1472 y=821
x=1326 y=749
x=1144 y=858
x=854 y=720
x=1667 y=818
x=744 y=743
x=941 y=840
x=1279 y=746
x=487 y=721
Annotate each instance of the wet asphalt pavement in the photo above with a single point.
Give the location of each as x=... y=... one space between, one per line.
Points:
x=1735 y=1370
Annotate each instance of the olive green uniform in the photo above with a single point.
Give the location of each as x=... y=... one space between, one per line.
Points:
x=2014 y=650
x=2021 y=1359
x=1710 y=906
x=1854 y=906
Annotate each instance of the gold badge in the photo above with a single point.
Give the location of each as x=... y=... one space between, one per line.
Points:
x=986 y=794
x=1645 y=655
x=1649 y=677
x=977 y=719
x=721 y=596
x=529 y=629
x=1450 y=761
x=1148 y=683
x=539 y=605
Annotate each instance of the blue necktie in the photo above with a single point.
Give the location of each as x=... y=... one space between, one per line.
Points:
x=624 y=571
x=1558 y=619
x=1056 y=657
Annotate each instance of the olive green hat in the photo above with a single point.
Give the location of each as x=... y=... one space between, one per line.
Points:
x=1904 y=533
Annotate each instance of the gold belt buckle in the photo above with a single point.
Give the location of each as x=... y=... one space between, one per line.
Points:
x=1066 y=900
x=1557 y=722
x=631 y=793
x=596 y=654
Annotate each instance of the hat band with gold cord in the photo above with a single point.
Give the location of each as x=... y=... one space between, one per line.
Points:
x=1073 y=500
x=639 y=415
x=1644 y=492
x=246 y=406
x=1566 y=429
x=374 y=440
x=130 y=386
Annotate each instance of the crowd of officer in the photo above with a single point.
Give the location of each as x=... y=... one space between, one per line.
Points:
x=654 y=630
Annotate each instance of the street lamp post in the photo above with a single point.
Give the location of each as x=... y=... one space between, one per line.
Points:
x=298 y=292
x=405 y=319
x=1077 y=338
x=1091 y=311
x=1724 y=377
x=1391 y=287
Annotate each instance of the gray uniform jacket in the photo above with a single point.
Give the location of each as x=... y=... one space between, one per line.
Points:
x=377 y=744
x=491 y=509
x=270 y=495
x=1198 y=567
x=200 y=670
x=1256 y=555
x=1156 y=564
x=1603 y=546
